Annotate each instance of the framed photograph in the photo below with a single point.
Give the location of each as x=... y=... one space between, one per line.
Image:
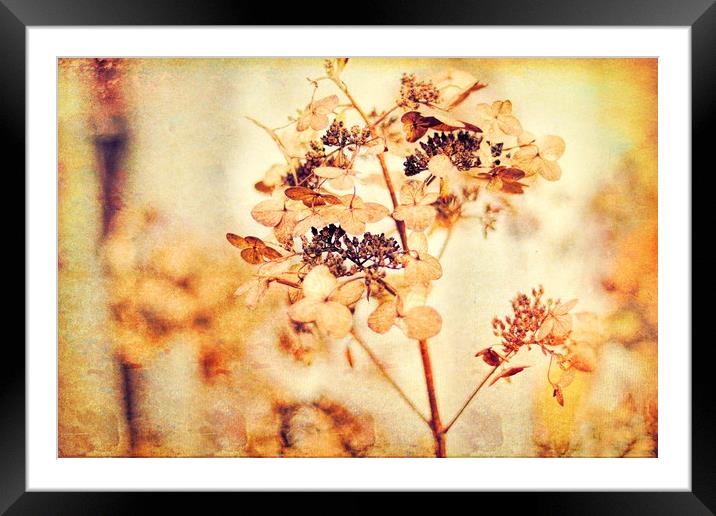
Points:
x=398 y=252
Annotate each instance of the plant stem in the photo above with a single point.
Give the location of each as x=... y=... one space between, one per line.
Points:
x=435 y=423
x=474 y=393
x=399 y=224
x=383 y=370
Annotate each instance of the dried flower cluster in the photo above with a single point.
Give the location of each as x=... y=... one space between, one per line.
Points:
x=543 y=323
x=327 y=254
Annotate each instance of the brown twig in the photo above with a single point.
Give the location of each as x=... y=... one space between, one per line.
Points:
x=435 y=424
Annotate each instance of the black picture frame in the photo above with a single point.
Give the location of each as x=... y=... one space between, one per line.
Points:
x=17 y=15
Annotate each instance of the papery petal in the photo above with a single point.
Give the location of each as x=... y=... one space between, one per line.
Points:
x=409 y=192
x=350 y=220
x=319 y=283
x=562 y=325
x=319 y=122
x=344 y=182
x=525 y=138
x=431 y=267
x=325 y=105
x=417 y=218
x=429 y=198
x=375 y=212
x=505 y=108
x=550 y=170
x=334 y=319
x=304 y=310
x=565 y=307
x=525 y=153
x=348 y=293
x=304 y=122
x=509 y=124
x=418 y=242
x=329 y=172
x=545 y=329
x=484 y=111
x=442 y=116
x=441 y=166
x=422 y=322
x=383 y=317
x=551 y=147
x=268 y=213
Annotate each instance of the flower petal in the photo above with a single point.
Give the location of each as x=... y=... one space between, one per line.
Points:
x=563 y=308
x=551 y=147
x=304 y=310
x=319 y=283
x=422 y=322
x=268 y=213
x=334 y=319
x=550 y=170
x=441 y=166
x=545 y=329
x=418 y=242
x=348 y=293
x=383 y=317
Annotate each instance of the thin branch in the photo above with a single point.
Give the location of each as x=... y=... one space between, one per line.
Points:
x=381 y=367
x=474 y=393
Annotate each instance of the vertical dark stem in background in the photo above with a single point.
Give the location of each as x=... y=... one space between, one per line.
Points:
x=109 y=126
x=110 y=150
x=110 y=131
x=435 y=424
x=126 y=371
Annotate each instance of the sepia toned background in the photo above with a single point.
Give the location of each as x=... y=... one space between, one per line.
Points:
x=157 y=163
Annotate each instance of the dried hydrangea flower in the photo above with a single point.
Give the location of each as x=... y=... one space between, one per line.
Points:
x=420 y=267
x=540 y=156
x=557 y=322
x=316 y=115
x=415 y=206
x=497 y=118
x=353 y=213
x=325 y=303
x=338 y=178
x=408 y=312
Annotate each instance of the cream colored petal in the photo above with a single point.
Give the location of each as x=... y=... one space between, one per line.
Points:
x=348 y=293
x=409 y=192
x=550 y=170
x=325 y=105
x=329 y=172
x=525 y=138
x=422 y=322
x=383 y=317
x=344 y=182
x=419 y=218
x=441 y=166
x=319 y=283
x=443 y=116
x=319 y=122
x=375 y=212
x=334 y=319
x=505 y=108
x=551 y=147
x=565 y=307
x=545 y=329
x=418 y=242
x=431 y=266
x=304 y=122
x=304 y=310
x=484 y=111
x=562 y=325
x=509 y=125
x=525 y=153
x=268 y=213
x=350 y=221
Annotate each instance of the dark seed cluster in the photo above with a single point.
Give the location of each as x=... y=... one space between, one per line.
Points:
x=414 y=92
x=303 y=175
x=345 y=256
x=339 y=136
x=462 y=149
x=519 y=329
